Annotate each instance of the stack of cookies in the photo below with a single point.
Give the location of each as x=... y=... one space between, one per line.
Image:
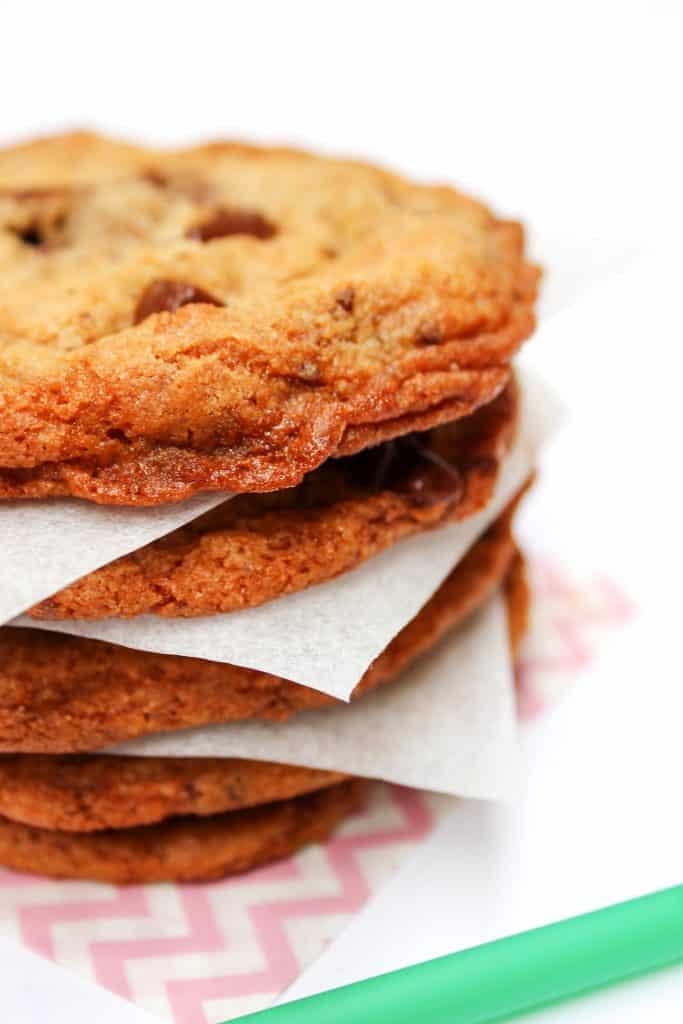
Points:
x=322 y=340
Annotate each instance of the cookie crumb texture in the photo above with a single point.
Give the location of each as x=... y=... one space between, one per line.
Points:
x=183 y=849
x=228 y=317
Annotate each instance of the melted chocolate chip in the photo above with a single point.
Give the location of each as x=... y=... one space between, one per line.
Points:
x=225 y=222
x=345 y=298
x=410 y=468
x=168 y=296
x=431 y=484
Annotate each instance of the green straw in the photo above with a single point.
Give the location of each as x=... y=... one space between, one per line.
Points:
x=511 y=976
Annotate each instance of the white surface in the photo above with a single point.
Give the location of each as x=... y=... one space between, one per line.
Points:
x=358 y=613
x=35 y=991
x=449 y=724
x=566 y=115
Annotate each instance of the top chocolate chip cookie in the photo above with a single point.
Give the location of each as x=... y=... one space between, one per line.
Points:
x=228 y=317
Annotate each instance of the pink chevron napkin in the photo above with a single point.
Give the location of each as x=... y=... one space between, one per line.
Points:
x=197 y=954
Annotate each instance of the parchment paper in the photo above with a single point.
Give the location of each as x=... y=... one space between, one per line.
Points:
x=448 y=725
x=45 y=545
x=326 y=636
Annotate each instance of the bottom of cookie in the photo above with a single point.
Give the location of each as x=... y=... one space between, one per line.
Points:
x=182 y=849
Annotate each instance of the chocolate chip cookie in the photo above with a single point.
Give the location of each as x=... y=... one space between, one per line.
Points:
x=229 y=317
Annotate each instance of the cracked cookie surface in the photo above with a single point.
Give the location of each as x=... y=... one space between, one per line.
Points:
x=229 y=317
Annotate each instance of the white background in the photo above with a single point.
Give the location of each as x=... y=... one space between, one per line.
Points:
x=568 y=116
x=563 y=114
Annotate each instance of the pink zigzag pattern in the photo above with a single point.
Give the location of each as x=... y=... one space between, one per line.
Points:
x=109 y=957
x=568 y=626
x=203 y=936
x=37 y=922
x=186 y=996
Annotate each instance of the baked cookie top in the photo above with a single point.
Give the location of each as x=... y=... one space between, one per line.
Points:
x=228 y=317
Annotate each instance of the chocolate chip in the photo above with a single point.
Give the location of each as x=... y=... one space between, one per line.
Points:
x=370 y=468
x=430 y=336
x=168 y=296
x=32 y=235
x=225 y=222
x=345 y=298
x=410 y=468
x=43 y=234
x=43 y=217
x=431 y=484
